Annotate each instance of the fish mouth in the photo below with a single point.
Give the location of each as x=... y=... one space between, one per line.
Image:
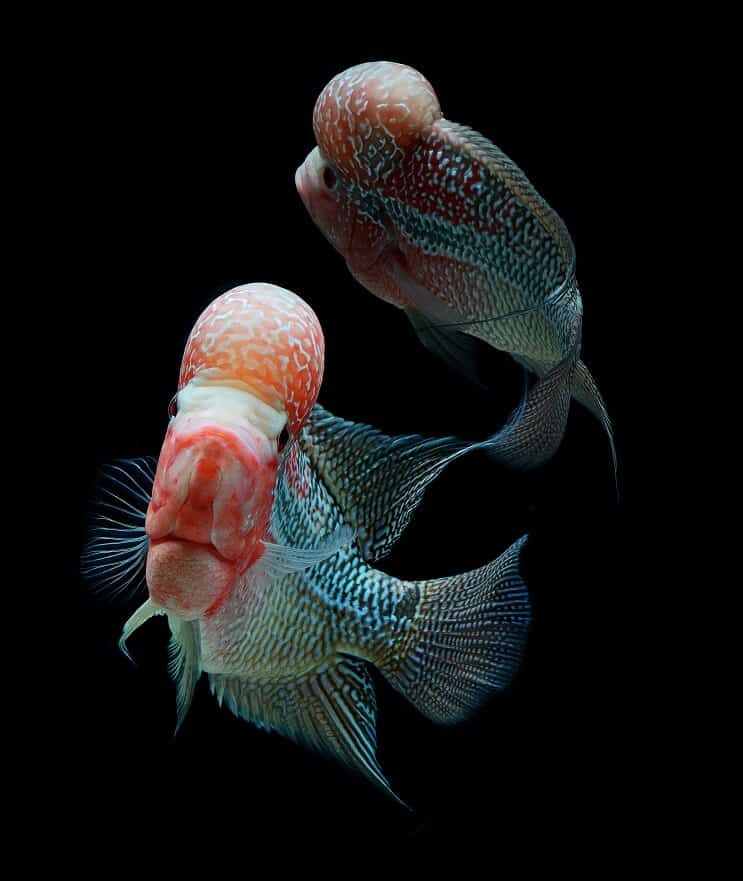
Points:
x=302 y=185
x=190 y=543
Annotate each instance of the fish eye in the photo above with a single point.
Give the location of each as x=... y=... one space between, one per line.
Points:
x=283 y=438
x=328 y=176
x=173 y=406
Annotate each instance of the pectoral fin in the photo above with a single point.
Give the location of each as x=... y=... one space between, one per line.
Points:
x=278 y=559
x=333 y=711
x=185 y=652
x=146 y=611
x=461 y=352
x=185 y=662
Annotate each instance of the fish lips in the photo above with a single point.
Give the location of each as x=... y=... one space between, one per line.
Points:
x=188 y=578
x=303 y=183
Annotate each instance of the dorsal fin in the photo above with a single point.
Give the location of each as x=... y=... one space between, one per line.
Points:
x=377 y=481
x=504 y=168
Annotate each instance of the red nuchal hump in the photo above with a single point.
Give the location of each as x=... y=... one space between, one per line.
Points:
x=265 y=337
x=369 y=115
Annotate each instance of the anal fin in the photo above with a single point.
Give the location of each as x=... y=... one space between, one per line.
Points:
x=333 y=712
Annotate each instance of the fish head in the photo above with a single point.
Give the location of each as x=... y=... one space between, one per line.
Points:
x=367 y=122
x=250 y=375
x=211 y=501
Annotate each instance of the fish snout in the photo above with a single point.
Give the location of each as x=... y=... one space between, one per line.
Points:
x=302 y=185
x=213 y=486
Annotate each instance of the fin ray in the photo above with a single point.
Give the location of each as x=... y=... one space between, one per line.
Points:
x=146 y=611
x=376 y=480
x=468 y=638
x=587 y=392
x=280 y=559
x=533 y=435
x=185 y=663
x=114 y=555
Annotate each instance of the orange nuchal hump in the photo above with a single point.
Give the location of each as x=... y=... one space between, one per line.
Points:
x=266 y=338
x=367 y=116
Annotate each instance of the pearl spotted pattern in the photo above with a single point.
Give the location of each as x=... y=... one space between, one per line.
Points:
x=434 y=218
x=265 y=337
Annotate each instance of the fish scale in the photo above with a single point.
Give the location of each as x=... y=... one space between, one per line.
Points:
x=482 y=224
x=288 y=640
x=435 y=219
x=342 y=604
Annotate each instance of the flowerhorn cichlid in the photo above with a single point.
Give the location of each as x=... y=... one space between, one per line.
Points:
x=256 y=532
x=433 y=218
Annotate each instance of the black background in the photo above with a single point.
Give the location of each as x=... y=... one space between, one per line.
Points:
x=176 y=169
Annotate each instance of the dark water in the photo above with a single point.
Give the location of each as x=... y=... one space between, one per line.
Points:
x=182 y=169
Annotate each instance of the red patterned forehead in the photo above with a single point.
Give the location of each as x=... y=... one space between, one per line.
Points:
x=367 y=116
x=265 y=337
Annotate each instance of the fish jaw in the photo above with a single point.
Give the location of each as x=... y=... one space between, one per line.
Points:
x=188 y=579
x=211 y=500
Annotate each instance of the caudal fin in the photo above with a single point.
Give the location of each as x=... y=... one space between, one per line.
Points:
x=536 y=428
x=467 y=639
x=586 y=391
x=534 y=432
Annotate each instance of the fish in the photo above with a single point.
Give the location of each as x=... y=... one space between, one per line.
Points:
x=257 y=531
x=435 y=219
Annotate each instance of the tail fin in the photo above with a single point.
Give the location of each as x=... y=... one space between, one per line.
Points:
x=586 y=391
x=467 y=639
x=534 y=432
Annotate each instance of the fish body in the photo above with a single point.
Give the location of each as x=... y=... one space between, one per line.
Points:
x=433 y=218
x=261 y=532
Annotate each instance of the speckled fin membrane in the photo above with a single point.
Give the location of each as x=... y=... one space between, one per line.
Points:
x=333 y=712
x=376 y=480
x=534 y=437
x=185 y=662
x=469 y=639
